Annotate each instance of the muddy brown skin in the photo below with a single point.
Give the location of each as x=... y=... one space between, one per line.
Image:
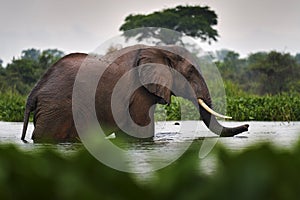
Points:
x=51 y=98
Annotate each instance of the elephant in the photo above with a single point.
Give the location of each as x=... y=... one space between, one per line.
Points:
x=153 y=67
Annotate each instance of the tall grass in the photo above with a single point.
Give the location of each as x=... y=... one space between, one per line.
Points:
x=281 y=107
x=12 y=106
x=179 y=109
x=242 y=107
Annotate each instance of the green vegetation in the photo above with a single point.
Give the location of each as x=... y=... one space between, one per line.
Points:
x=12 y=106
x=261 y=73
x=264 y=86
x=195 y=21
x=280 y=107
x=259 y=172
x=19 y=77
x=22 y=73
x=173 y=111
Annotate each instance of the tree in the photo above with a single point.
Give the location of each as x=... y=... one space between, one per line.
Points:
x=221 y=54
x=3 y=84
x=49 y=57
x=195 y=21
x=297 y=57
x=24 y=72
x=231 y=67
x=278 y=71
x=20 y=74
x=31 y=54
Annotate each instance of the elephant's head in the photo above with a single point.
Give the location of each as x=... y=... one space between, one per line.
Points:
x=193 y=88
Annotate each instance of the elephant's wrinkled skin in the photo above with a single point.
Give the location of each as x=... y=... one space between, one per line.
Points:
x=51 y=98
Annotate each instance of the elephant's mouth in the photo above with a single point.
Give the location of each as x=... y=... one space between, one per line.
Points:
x=211 y=111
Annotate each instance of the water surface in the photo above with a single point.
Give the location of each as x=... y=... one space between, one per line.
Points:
x=171 y=139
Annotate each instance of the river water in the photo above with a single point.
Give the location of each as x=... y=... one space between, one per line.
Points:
x=172 y=140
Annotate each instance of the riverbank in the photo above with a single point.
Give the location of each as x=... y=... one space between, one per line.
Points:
x=281 y=107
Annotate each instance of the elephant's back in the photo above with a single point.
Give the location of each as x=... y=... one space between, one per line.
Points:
x=60 y=75
x=64 y=69
x=56 y=85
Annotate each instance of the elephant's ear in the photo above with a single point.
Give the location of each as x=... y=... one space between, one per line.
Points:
x=157 y=79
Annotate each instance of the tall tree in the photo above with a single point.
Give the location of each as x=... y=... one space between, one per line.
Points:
x=195 y=21
x=220 y=55
x=278 y=71
x=48 y=57
x=31 y=54
x=24 y=72
x=231 y=67
x=3 y=84
x=297 y=57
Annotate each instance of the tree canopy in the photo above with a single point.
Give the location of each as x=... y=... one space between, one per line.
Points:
x=262 y=72
x=195 y=21
x=22 y=73
x=277 y=71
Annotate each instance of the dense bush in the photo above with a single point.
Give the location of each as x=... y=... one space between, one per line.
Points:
x=261 y=172
x=19 y=76
x=281 y=107
x=22 y=73
x=177 y=107
x=261 y=73
x=12 y=106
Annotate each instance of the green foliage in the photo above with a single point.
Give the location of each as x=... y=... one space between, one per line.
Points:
x=234 y=90
x=49 y=175
x=21 y=74
x=179 y=109
x=245 y=79
x=195 y=21
x=3 y=83
x=12 y=106
x=261 y=172
x=262 y=73
x=297 y=57
x=240 y=106
x=258 y=172
x=276 y=68
x=281 y=107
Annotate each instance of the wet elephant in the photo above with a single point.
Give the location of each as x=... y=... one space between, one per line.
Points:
x=51 y=98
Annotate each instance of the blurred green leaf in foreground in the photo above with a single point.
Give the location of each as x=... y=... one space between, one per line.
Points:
x=259 y=172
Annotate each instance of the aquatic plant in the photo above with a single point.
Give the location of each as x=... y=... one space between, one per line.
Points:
x=12 y=106
x=258 y=172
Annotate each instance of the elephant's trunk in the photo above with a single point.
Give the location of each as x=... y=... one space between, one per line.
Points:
x=212 y=123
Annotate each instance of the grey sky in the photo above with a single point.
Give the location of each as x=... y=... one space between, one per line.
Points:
x=80 y=26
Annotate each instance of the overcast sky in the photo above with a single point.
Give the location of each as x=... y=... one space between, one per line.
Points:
x=80 y=26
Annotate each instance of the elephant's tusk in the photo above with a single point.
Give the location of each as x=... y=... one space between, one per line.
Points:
x=208 y=109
